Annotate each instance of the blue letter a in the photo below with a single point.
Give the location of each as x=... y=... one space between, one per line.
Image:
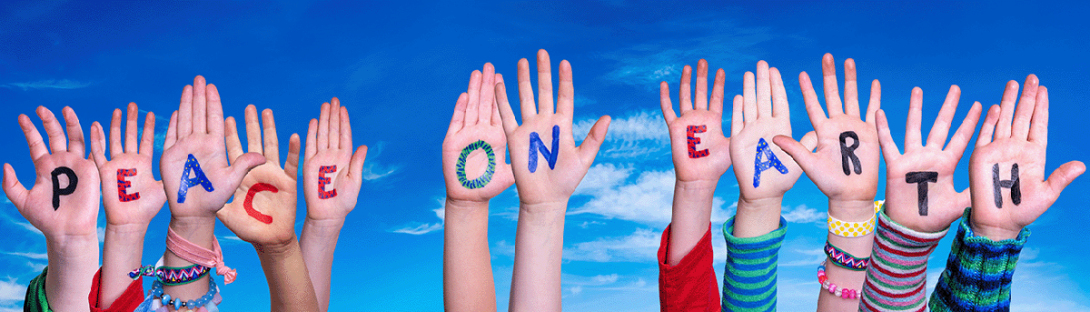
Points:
x=771 y=162
x=191 y=164
x=537 y=145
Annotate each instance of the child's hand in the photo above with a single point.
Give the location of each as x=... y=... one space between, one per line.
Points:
x=475 y=145
x=194 y=152
x=764 y=104
x=701 y=152
x=1006 y=199
x=140 y=197
x=920 y=190
x=332 y=174
x=547 y=164
x=263 y=209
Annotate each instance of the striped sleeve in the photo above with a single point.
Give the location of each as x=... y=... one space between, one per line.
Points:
x=749 y=282
x=897 y=277
x=978 y=272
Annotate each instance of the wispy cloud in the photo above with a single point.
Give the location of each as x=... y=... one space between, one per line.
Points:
x=639 y=246
x=638 y=134
x=11 y=292
x=47 y=84
x=802 y=214
x=30 y=255
x=419 y=228
x=232 y=239
x=646 y=200
x=371 y=168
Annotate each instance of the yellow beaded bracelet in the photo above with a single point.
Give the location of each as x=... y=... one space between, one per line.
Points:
x=854 y=229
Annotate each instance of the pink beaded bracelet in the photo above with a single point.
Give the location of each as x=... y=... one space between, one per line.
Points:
x=827 y=285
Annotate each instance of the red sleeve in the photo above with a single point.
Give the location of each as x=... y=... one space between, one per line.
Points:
x=129 y=300
x=690 y=285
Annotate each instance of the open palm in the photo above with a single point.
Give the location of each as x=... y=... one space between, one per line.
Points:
x=709 y=157
x=144 y=196
x=482 y=173
x=329 y=156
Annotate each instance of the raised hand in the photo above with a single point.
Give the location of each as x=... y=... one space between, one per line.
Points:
x=1007 y=168
x=920 y=190
x=473 y=150
x=63 y=204
x=332 y=174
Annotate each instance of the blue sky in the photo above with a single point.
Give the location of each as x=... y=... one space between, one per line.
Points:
x=400 y=68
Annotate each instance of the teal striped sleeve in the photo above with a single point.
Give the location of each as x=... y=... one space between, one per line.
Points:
x=749 y=282
x=978 y=272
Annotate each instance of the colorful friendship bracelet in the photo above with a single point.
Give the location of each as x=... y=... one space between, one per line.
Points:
x=157 y=301
x=199 y=255
x=827 y=285
x=854 y=229
x=846 y=260
x=172 y=276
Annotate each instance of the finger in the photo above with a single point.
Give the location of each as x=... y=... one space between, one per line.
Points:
x=780 y=106
x=544 y=83
x=200 y=105
x=131 y=145
x=75 y=132
x=736 y=119
x=253 y=131
x=565 y=105
x=98 y=144
x=684 y=88
x=185 y=113
x=851 y=89
x=1038 y=131
x=242 y=165
x=488 y=94
x=355 y=167
x=33 y=138
x=589 y=149
x=875 y=100
x=832 y=93
x=965 y=131
x=474 y=91
x=272 y=143
x=457 y=120
x=1006 y=113
x=665 y=104
x=57 y=141
x=234 y=145
x=749 y=98
x=507 y=116
x=147 y=141
x=291 y=167
x=14 y=189
x=526 y=93
x=941 y=128
x=346 y=130
x=495 y=119
x=912 y=126
x=312 y=131
x=889 y=147
x=701 y=102
x=717 y=91
x=1020 y=128
x=323 y=128
x=813 y=108
x=809 y=140
x=796 y=150
x=172 y=131
x=215 y=112
x=1060 y=178
x=988 y=127
x=334 y=123
x=115 y=134
x=764 y=91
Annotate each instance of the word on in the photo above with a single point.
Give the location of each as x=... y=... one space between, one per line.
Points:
x=483 y=180
x=123 y=185
x=248 y=204
x=73 y=180
x=997 y=184
x=847 y=153
x=537 y=145
x=771 y=161
x=921 y=178
x=692 y=140
x=198 y=178
x=323 y=181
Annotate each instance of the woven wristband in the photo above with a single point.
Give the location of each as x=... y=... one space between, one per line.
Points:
x=199 y=255
x=845 y=260
x=854 y=229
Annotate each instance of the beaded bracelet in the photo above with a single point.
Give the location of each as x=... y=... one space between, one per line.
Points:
x=846 y=260
x=827 y=285
x=854 y=229
x=172 y=276
x=207 y=302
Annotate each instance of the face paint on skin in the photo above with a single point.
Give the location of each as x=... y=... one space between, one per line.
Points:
x=771 y=162
x=460 y=170
x=248 y=204
x=847 y=153
x=67 y=190
x=123 y=185
x=537 y=145
x=921 y=179
x=323 y=181
x=191 y=165
x=692 y=141
x=1013 y=184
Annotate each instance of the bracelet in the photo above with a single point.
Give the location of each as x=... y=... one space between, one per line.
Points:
x=846 y=260
x=827 y=285
x=171 y=276
x=158 y=301
x=854 y=229
x=199 y=255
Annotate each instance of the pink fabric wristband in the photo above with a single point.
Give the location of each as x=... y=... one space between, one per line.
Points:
x=199 y=255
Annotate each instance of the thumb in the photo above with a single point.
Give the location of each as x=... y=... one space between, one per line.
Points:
x=1056 y=182
x=589 y=149
x=15 y=191
x=229 y=216
x=799 y=152
x=964 y=199
x=242 y=166
x=355 y=165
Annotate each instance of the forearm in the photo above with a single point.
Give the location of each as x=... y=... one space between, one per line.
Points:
x=898 y=270
x=467 y=267
x=859 y=247
x=757 y=217
x=318 y=243
x=535 y=284
x=199 y=231
x=689 y=219
x=121 y=253
x=73 y=261
x=978 y=272
x=290 y=288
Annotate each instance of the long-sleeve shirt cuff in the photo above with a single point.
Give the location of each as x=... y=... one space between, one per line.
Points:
x=978 y=272
x=690 y=285
x=749 y=281
x=897 y=277
x=128 y=301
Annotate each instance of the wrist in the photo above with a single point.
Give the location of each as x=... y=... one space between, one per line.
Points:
x=851 y=210
x=560 y=207
x=198 y=230
x=465 y=205
x=994 y=233
x=757 y=217
x=277 y=249
x=72 y=244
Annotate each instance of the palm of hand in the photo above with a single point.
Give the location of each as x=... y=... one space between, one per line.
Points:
x=271 y=214
x=336 y=207
x=1036 y=195
x=213 y=162
x=152 y=196
x=718 y=159
x=829 y=175
x=546 y=183
x=745 y=147
x=477 y=162
x=902 y=199
x=77 y=212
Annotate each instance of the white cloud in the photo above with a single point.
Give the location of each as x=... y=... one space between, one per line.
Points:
x=637 y=135
x=232 y=238
x=30 y=255
x=419 y=229
x=47 y=84
x=647 y=200
x=587 y=224
x=101 y=232
x=11 y=293
x=810 y=257
x=29 y=227
x=640 y=246
x=371 y=168
x=802 y=214
x=35 y=267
